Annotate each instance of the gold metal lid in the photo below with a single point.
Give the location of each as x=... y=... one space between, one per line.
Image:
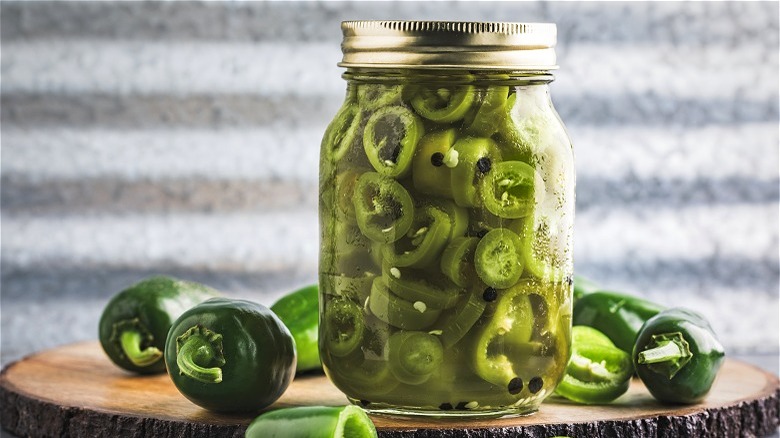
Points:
x=449 y=45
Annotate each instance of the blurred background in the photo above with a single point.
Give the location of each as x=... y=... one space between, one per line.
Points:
x=182 y=138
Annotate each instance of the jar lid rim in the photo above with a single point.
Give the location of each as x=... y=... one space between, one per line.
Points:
x=448 y=45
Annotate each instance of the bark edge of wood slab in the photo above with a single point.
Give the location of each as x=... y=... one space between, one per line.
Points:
x=74 y=390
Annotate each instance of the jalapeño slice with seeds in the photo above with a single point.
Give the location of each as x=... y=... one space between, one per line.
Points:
x=383 y=208
x=443 y=104
x=374 y=96
x=508 y=191
x=414 y=356
x=498 y=352
x=497 y=258
x=344 y=327
x=424 y=241
x=342 y=132
x=390 y=138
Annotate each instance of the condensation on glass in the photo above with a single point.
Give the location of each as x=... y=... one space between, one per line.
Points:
x=446 y=219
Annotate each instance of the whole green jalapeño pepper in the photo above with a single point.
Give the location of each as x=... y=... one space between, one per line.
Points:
x=583 y=286
x=230 y=355
x=677 y=356
x=135 y=323
x=598 y=371
x=313 y=422
x=299 y=311
x=616 y=315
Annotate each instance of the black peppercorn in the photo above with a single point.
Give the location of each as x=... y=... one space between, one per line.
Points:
x=515 y=385
x=484 y=165
x=437 y=159
x=535 y=384
x=490 y=294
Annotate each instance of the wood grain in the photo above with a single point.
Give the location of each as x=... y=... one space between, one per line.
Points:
x=75 y=391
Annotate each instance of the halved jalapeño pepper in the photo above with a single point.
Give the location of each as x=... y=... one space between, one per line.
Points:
x=598 y=371
x=429 y=173
x=413 y=356
x=383 y=208
x=397 y=311
x=505 y=340
x=489 y=112
x=414 y=287
x=471 y=159
x=424 y=241
x=443 y=104
x=390 y=138
x=457 y=260
x=497 y=258
x=344 y=327
x=341 y=133
x=508 y=190
x=313 y=421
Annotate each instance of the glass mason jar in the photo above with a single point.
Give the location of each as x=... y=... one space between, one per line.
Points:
x=446 y=217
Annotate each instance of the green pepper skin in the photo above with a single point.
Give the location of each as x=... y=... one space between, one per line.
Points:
x=149 y=308
x=244 y=355
x=583 y=286
x=313 y=422
x=616 y=315
x=299 y=311
x=679 y=378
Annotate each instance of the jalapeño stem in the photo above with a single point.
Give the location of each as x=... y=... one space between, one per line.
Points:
x=131 y=340
x=196 y=350
x=667 y=354
x=662 y=353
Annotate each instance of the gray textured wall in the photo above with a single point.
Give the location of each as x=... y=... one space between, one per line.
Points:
x=183 y=138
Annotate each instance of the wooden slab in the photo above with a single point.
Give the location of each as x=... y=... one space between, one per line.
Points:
x=75 y=391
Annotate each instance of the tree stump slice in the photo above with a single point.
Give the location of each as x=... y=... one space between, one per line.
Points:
x=75 y=391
